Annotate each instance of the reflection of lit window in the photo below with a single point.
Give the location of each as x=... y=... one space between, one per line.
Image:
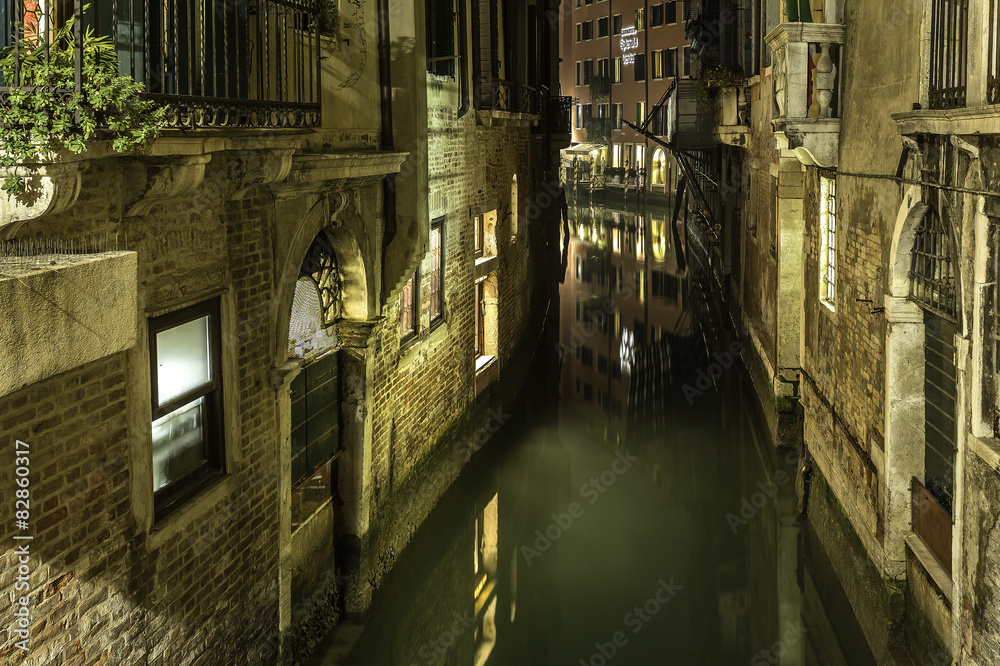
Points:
x=485 y=573
x=187 y=402
x=626 y=350
x=409 y=307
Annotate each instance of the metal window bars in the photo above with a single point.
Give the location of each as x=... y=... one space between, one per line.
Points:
x=993 y=59
x=932 y=282
x=213 y=63
x=949 y=47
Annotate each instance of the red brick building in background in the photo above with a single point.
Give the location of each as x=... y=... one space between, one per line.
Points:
x=617 y=58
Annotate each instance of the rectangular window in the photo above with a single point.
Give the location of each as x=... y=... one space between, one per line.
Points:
x=618 y=69
x=616 y=115
x=579 y=73
x=828 y=241
x=640 y=67
x=602 y=110
x=579 y=32
x=657 y=64
x=436 y=276
x=640 y=113
x=670 y=63
x=409 y=307
x=186 y=389
x=588 y=71
x=578 y=125
x=478 y=232
x=588 y=30
x=480 y=318
x=616 y=24
x=640 y=18
x=670 y=13
x=655 y=15
x=602 y=27
x=602 y=67
x=687 y=61
x=441 y=37
x=993 y=55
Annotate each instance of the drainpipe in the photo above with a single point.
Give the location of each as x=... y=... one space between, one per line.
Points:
x=463 y=60
x=387 y=143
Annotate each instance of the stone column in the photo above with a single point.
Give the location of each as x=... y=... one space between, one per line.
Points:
x=904 y=421
x=281 y=379
x=357 y=363
x=790 y=226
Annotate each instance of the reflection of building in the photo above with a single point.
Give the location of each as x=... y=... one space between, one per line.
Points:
x=622 y=292
x=238 y=356
x=618 y=58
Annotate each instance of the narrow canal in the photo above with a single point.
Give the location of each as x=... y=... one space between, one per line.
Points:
x=649 y=521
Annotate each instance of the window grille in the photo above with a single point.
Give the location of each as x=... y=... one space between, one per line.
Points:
x=828 y=229
x=949 y=41
x=320 y=266
x=932 y=282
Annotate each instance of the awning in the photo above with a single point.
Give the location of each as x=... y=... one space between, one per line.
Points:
x=584 y=147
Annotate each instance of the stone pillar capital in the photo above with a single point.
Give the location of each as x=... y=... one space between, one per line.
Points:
x=357 y=334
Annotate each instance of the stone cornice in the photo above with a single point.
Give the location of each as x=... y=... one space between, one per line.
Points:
x=821 y=33
x=973 y=120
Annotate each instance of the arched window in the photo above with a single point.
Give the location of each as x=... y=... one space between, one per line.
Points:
x=317 y=303
x=932 y=281
x=320 y=266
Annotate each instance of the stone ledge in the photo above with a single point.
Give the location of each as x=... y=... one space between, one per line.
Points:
x=971 y=120
x=64 y=311
x=930 y=564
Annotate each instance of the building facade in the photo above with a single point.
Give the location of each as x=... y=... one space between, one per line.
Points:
x=618 y=59
x=857 y=159
x=241 y=365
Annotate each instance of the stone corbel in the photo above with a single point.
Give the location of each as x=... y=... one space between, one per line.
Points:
x=160 y=179
x=50 y=188
x=966 y=147
x=263 y=167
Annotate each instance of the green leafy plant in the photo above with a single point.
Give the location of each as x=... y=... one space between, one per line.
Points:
x=717 y=76
x=45 y=113
x=329 y=18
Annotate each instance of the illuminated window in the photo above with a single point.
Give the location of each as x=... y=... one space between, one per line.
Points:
x=640 y=19
x=828 y=241
x=640 y=112
x=436 y=276
x=618 y=69
x=485 y=320
x=480 y=318
x=186 y=391
x=657 y=64
x=409 y=307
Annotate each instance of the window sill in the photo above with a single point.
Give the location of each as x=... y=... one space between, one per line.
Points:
x=936 y=572
x=213 y=495
x=485 y=266
x=482 y=362
x=437 y=332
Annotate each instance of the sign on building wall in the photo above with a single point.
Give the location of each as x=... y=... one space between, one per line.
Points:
x=629 y=43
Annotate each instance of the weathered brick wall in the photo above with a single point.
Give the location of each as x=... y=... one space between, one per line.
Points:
x=102 y=590
x=980 y=615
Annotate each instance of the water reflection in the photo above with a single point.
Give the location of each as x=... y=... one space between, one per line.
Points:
x=650 y=522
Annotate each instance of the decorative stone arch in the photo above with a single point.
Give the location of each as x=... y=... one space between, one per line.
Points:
x=904 y=377
x=352 y=337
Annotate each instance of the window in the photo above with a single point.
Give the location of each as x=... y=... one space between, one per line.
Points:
x=932 y=282
x=441 y=37
x=588 y=30
x=602 y=111
x=670 y=63
x=436 y=276
x=186 y=390
x=670 y=12
x=687 y=61
x=602 y=27
x=481 y=318
x=579 y=125
x=828 y=241
x=640 y=19
x=618 y=69
x=409 y=307
x=640 y=67
x=640 y=113
x=579 y=73
x=949 y=46
x=616 y=115
x=579 y=32
x=477 y=233
x=616 y=24
x=657 y=64
x=656 y=15
x=588 y=71
x=602 y=67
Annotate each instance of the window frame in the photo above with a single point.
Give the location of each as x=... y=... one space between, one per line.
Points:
x=408 y=335
x=617 y=70
x=438 y=282
x=213 y=467
x=616 y=24
x=604 y=20
x=828 y=242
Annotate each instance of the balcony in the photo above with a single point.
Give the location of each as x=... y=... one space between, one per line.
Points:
x=806 y=113
x=689 y=121
x=500 y=98
x=240 y=64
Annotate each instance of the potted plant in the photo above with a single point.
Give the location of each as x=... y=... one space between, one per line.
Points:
x=44 y=113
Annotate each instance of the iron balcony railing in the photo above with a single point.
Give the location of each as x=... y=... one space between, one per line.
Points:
x=949 y=47
x=497 y=94
x=237 y=63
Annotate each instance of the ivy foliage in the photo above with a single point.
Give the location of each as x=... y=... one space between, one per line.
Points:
x=46 y=113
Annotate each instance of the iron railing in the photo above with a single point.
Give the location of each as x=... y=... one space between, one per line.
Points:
x=238 y=63
x=497 y=94
x=993 y=61
x=949 y=48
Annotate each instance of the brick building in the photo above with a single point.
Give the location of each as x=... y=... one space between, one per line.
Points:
x=618 y=58
x=858 y=161
x=245 y=361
